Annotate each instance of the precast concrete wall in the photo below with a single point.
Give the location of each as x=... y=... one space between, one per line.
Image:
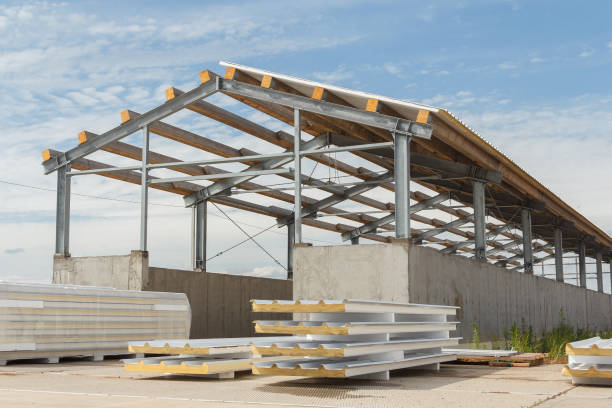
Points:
x=492 y=297
x=220 y=304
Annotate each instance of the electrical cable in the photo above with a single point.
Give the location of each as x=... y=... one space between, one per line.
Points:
x=151 y=203
x=250 y=237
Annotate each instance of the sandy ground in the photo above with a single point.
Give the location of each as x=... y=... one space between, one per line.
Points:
x=106 y=384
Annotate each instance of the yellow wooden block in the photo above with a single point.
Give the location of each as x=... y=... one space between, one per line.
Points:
x=230 y=73
x=170 y=93
x=82 y=136
x=373 y=105
x=46 y=154
x=266 y=81
x=205 y=76
x=422 y=116
x=125 y=116
x=318 y=93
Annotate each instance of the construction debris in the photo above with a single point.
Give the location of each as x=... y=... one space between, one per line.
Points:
x=355 y=338
x=589 y=361
x=43 y=321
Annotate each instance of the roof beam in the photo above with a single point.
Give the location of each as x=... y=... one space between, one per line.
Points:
x=443 y=228
x=205 y=89
x=183 y=188
x=389 y=218
x=222 y=186
x=489 y=234
x=312 y=209
x=392 y=124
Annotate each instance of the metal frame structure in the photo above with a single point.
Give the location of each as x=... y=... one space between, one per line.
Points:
x=413 y=144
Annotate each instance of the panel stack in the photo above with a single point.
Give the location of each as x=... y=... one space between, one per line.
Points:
x=219 y=358
x=589 y=361
x=54 y=321
x=355 y=338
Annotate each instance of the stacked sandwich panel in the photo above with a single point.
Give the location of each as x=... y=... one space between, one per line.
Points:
x=355 y=338
x=589 y=361
x=204 y=357
x=52 y=321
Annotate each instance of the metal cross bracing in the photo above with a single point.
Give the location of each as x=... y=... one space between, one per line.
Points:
x=400 y=144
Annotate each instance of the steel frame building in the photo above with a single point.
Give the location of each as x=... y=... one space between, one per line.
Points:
x=411 y=142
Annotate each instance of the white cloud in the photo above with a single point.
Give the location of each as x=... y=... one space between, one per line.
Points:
x=508 y=65
x=610 y=45
x=392 y=68
x=339 y=74
x=535 y=60
x=586 y=53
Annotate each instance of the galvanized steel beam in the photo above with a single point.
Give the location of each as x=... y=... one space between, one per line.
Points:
x=201 y=231
x=297 y=163
x=443 y=228
x=144 y=192
x=598 y=259
x=465 y=243
x=127 y=128
x=559 y=254
x=479 y=219
x=377 y=120
x=402 y=185
x=582 y=264
x=62 y=212
x=222 y=186
x=372 y=226
x=527 y=241
x=290 y=248
x=312 y=209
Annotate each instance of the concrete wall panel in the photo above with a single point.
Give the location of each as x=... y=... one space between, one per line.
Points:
x=492 y=297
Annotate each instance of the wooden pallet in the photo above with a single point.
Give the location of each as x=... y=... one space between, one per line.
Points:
x=518 y=360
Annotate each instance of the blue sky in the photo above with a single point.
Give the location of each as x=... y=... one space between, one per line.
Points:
x=532 y=77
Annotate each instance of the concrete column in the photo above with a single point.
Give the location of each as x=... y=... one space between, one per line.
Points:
x=527 y=241
x=144 y=191
x=611 y=276
x=479 y=218
x=297 y=164
x=290 y=245
x=402 y=185
x=201 y=210
x=598 y=258
x=582 y=264
x=355 y=240
x=62 y=212
x=559 y=254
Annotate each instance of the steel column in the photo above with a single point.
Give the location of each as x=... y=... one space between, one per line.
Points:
x=290 y=244
x=559 y=254
x=201 y=213
x=598 y=259
x=479 y=218
x=297 y=164
x=355 y=240
x=402 y=185
x=144 y=191
x=582 y=264
x=527 y=241
x=62 y=214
